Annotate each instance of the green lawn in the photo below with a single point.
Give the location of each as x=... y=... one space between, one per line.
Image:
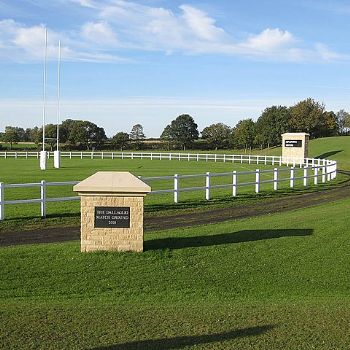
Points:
x=26 y=170
x=274 y=282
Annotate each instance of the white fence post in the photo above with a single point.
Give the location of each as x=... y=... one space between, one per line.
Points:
x=305 y=176
x=292 y=179
x=323 y=174
x=234 y=183
x=176 y=188
x=315 y=175
x=2 y=199
x=207 y=186
x=43 y=198
x=334 y=170
x=328 y=171
x=275 y=179
x=257 y=181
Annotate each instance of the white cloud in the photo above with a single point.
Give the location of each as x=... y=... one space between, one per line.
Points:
x=201 y=24
x=116 y=26
x=23 y=43
x=269 y=39
x=99 y=32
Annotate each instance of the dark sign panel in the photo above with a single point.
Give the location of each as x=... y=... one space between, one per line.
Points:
x=293 y=143
x=112 y=217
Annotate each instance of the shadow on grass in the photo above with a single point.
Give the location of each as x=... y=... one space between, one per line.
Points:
x=224 y=238
x=329 y=154
x=184 y=341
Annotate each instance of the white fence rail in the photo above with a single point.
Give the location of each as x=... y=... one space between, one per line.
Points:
x=234 y=158
x=314 y=170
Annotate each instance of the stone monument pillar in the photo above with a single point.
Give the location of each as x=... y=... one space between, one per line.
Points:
x=295 y=146
x=112 y=212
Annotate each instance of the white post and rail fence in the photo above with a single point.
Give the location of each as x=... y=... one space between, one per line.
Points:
x=310 y=171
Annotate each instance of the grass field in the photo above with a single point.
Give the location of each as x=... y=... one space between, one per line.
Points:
x=279 y=281
x=274 y=282
x=23 y=170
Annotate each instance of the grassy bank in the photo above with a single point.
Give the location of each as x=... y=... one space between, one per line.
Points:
x=279 y=281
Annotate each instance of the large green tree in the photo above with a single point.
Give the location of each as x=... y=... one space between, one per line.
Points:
x=244 y=134
x=120 y=140
x=137 y=135
x=65 y=129
x=273 y=122
x=165 y=136
x=86 y=134
x=137 y=132
x=343 y=121
x=327 y=125
x=217 y=135
x=182 y=131
x=347 y=123
x=11 y=135
x=307 y=116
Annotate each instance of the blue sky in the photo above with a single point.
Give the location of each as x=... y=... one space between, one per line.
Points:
x=128 y=62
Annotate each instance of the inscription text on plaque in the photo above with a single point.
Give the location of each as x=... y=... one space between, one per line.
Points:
x=112 y=217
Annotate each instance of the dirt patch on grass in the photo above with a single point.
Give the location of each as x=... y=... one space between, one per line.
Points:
x=265 y=207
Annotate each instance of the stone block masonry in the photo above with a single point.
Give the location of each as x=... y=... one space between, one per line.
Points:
x=117 y=239
x=295 y=147
x=112 y=212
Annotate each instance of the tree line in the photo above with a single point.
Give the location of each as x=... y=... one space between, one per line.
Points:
x=182 y=133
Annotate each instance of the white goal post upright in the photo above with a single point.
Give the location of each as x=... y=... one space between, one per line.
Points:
x=57 y=153
x=43 y=154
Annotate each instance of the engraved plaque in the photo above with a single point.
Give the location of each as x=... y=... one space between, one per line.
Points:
x=112 y=217
x=293 y=143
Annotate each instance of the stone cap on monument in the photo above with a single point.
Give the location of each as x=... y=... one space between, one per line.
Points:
x=112 y=182
x=296 y=134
